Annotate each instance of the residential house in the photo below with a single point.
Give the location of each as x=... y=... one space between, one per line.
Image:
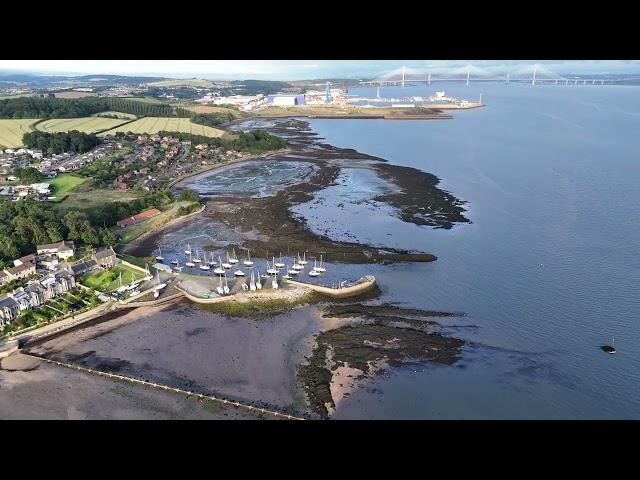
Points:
x=82 y=267
x=21 y=271
x=105 y=257
x=9 y=310
x=61 y=250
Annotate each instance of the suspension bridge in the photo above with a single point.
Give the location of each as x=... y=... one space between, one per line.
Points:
x=533 y=74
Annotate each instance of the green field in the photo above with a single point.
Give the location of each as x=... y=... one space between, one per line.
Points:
x=108 y=280
x=156 y=124
x=191 y=82
x=84 y=124
x=11 y=131
x=126 y=116
x=61 y=185
x=88 y=197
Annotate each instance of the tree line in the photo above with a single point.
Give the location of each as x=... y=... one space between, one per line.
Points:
x=47 y=107
x=50 y=143
x=212 y=119
x=26 y=224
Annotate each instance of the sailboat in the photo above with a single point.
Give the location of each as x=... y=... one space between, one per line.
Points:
x=258 y=281
x=248 y=261
x=320 y=268
x=228 y=263
x=190 y=262
x=234 y=259
x=204 y=266
x=159 y=257
x=292 y=271
x=239 y=273
x=188 y=250
x=226 y=286
x=174 y=261
x=304 y=259
x=219 y=270
x=211 y=261
x=274 y=282
x=296 y=266
x=279 y=264
x=610 y=348
x=197 y=259
x=314 y=271
x=271 y=270
x=252 y=283
x=159 y=285
x=177 y=268
x=219 y=288
x=287 y=274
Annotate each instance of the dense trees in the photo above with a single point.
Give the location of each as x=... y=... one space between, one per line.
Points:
x=37 y=107
x=73 y=141
x=212 y=119
x=189 y=196
x=28 y=175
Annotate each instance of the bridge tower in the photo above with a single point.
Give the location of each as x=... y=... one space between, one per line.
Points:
x=508 y=75
x=535 y=69
x=403 y=69
x=378 y=93
x=328 y=93
x=429 y=78
x=468 y=72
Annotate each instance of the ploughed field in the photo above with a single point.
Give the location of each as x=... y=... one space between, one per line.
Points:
x=157 y=124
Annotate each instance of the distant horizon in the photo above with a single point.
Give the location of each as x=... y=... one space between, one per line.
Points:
x=292 y=70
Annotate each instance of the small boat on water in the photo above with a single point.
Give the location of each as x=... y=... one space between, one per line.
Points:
x=609 y=348
x=159 y=257
x=239 y=273
x=204 y=266
x=271 y=270
x=233 y=259
x=197 y=259
x=219 y=270
x=248 y=261
x=174 y=262
x=314 y=273
x=226 y=286
x=188 y=250
x=258 y=281
x=227 y=265
x=211 y=261
x=320 y=268
x=287 y=275
x=279 y=264
x=302 y=261
x=190 y=262
x=292 y=271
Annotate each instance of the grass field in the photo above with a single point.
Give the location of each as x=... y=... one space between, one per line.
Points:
x=126 y=116
x=191 y=82
x=156 y=124
x=83 y=124
x=61 y=185
x=95 y=197
x=11 y=131
x=213 y=109
x=74 y=94
x=108 y=280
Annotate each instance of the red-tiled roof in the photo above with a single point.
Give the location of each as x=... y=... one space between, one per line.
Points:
x=138 y=217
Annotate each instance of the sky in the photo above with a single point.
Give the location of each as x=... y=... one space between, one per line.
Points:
x=291 y=69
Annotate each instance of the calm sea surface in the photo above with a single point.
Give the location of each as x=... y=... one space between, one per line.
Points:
x=549 y=269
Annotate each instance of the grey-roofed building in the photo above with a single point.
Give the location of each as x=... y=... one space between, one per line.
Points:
x=83 y=267
x=9 y=310
x=105 y=257
x=63 y=249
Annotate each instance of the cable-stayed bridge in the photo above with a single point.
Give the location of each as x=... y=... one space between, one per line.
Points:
x=533 y=74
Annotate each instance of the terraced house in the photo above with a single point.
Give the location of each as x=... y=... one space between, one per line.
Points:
x=9 y=310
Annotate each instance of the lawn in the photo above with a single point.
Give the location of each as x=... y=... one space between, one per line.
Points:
x=11 y=131
x=83 y=124
x=61 y=185
x=171 y=124
x=109 y=280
